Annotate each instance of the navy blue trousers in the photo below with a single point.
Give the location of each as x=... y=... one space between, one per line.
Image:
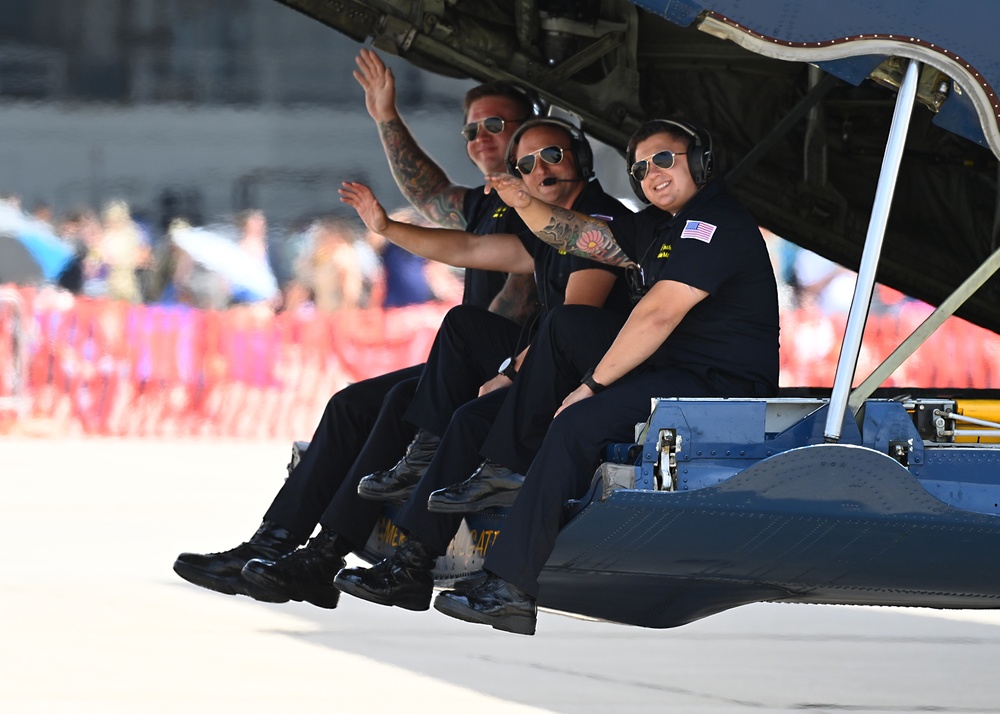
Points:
x=456 y=458
x=467 y=351
x=560 y=461
x=344 y=431
x=469 y=347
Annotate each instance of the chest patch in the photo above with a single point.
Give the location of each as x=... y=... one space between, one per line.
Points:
x=664 y=251
x=500 y=211
x=699 y=230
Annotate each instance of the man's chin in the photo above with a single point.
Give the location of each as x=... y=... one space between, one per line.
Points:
x=551 y=194
x=491 y=157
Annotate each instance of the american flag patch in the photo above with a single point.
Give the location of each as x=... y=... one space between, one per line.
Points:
x=699 y=230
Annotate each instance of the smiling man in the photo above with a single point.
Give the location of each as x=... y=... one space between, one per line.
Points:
x=705 y=325
x=342 y=450
x=556 y=162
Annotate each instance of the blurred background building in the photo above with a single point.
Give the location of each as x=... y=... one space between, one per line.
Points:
x=196 y=108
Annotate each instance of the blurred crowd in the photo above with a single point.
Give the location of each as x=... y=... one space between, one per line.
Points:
x=808 y=281
x=326 y=263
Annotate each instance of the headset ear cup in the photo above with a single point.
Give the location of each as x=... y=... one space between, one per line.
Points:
x=700 y=156
x=696 y=163
x=583 y=154
x=538 y=105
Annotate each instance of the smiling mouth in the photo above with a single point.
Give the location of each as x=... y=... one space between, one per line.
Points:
x=659 y=186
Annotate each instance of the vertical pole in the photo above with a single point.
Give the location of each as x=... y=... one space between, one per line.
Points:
x=865 y=284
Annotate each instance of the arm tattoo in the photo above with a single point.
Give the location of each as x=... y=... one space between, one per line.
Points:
x=422 y=181
x=584 y=236
x=517 y=299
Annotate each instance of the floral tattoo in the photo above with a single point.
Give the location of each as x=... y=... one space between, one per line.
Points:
x=587 y=237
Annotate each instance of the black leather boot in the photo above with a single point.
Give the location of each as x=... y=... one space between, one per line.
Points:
x=404 y=579
x=496 y=603
x=221 y=571
x=398 y=483
x=305 y=575
x=492 y=485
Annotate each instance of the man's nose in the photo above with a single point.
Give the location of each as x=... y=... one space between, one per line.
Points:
x=542 y=167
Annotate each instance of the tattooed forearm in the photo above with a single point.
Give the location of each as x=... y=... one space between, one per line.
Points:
x=580 y=235
x=422 y=181
x=517 y=299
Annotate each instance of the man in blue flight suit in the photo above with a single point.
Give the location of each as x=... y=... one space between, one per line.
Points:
x=492 y=113
x=466 y=353
x=706 y=326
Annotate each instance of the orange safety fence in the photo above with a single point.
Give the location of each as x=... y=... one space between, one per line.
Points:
x=959 y=355
x=110 y=368
x=89 y=366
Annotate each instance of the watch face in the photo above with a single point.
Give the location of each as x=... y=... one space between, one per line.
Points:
x=505 y=365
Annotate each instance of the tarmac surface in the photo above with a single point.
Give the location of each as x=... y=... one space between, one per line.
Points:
x=93 y=619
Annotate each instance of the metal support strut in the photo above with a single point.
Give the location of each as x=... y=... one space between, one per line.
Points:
x=865 y=285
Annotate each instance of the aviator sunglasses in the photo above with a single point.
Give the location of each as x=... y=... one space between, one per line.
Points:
x=493 y=125
x=550 y=155
x=663 y=159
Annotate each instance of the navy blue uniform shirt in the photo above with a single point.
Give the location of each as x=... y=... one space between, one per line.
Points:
x=485 y=215
x=714 y=244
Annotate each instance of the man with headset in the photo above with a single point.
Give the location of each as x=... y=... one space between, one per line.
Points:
x=555 y=161
x=492 y=113
x=705 y=325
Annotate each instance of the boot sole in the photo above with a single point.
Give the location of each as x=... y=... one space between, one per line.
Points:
x=400 y=495
x=275 y=588
x=498 y=500
x=224 y=585
x=516 y=624
x=415 y=602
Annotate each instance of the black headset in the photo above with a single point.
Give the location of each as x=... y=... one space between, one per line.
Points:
x=699 y=151
x=583 y=155
x=538 y=105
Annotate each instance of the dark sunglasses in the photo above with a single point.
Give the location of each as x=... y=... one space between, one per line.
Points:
x=493 y=125
x=550 y=155
x=663 y=159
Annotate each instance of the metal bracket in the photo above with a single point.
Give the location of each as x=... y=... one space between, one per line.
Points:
x=900 y=451
x=668 y=445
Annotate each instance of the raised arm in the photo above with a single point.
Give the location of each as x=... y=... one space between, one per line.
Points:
x=561 y=228
x=503 y=252
x=424 y=184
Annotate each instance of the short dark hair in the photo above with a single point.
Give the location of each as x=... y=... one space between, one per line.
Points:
x=654 y=127
x=502 y=89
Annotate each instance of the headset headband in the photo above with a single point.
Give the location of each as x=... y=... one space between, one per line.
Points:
x=583 y=155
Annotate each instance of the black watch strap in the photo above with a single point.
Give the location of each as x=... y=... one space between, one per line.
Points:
x=594 y=386
x=508 y=369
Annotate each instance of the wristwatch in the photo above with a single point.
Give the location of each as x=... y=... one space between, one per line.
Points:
x=507 y=368
x=594 y=386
